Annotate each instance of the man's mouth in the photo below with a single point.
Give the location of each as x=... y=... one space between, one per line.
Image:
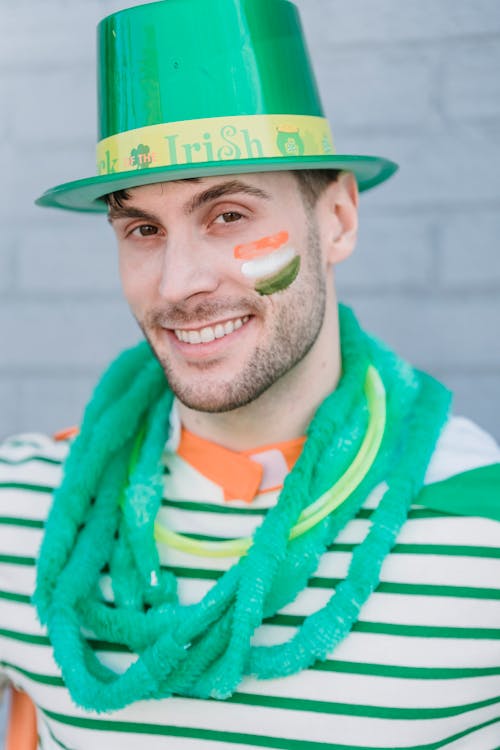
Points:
x=209 y=333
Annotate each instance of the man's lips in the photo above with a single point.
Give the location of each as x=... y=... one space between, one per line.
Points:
x=207 y=333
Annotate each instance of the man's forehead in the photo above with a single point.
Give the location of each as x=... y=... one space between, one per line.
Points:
x=196 y=191
x=187 y=195
x=250 y=178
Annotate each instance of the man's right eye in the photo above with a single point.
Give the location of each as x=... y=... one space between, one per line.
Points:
x=228 y=217
x=145 y=230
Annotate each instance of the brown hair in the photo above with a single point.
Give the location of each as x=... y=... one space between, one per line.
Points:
x=311 y=183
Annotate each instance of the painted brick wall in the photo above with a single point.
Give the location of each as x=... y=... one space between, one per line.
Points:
x=414 y=80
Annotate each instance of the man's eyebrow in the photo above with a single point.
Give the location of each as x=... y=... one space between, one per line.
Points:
x=129 y=212
x=210 y=194
x=219 y=191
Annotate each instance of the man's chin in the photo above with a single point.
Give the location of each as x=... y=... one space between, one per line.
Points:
x=213 y=392
x=214 y=401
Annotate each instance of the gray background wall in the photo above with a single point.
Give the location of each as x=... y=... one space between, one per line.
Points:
x=414 y=80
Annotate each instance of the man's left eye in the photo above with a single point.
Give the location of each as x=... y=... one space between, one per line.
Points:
x=228 y=217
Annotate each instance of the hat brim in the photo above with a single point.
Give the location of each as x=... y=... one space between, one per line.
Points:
x=87 y=195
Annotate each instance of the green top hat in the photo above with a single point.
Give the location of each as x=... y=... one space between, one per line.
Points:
x=190 y=88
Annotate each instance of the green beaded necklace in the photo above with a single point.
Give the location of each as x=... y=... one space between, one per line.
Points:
x=204 y=649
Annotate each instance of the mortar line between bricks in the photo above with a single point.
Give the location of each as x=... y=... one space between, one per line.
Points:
x=466 y=371
x=436 y=257
x=52 y=373
x=400 y=292
x=406 y=43
x=437 y=207
x=54 y=295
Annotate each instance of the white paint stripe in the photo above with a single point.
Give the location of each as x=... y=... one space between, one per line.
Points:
x=268 y=264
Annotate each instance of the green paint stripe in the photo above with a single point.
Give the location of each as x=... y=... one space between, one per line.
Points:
x=400 y=672
x=13 y=597
x=36 y=640
x=338 y=667
x=420 y=631
x=352 y=709
x=248 y=699
x=198 y=573
x=212 y=508
x=105 y=646
x=334 y=665
x=42 y=640
x=17 y=560
x=279 y=280
x=416 y=513
x=240 y=738
x=42 y=679
x=416 y=589
x=195 y=506
x=23 y=486
x=56 y=741
x=39 y=459
x=427 y=631
x=448 y=550
x=207 y=538
x=440 y=743
x=462 y=592
x=410 y=589
x=29 y=523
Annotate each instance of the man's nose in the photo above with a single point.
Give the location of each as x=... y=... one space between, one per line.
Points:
x=188 y=269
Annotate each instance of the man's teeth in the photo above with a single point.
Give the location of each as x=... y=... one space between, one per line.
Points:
x=209 y=333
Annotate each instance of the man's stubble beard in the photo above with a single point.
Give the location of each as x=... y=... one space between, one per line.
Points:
x=290 y=339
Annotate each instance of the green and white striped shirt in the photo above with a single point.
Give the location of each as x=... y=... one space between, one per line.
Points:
x=420 y=669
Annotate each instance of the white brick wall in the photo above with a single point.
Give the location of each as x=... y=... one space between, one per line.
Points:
x=415 y=80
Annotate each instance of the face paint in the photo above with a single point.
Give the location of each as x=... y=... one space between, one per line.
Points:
x=271 y=266
x=260 y=247
x=280 y=280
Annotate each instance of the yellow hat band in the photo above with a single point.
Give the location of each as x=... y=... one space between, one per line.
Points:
x=215 y=139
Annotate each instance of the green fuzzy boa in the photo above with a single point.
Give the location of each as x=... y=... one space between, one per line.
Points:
x=204 y=649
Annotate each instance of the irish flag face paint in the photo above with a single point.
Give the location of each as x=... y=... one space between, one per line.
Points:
x=269 y=262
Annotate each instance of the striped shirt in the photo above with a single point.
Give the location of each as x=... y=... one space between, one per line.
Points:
x=420 y=669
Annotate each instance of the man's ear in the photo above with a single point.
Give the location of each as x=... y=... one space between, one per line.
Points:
x=338 y=216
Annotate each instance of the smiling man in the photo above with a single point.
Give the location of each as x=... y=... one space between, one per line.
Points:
x=222 y=344
x=269 y=530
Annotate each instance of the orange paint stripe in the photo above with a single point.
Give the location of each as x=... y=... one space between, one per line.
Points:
x=260 y=247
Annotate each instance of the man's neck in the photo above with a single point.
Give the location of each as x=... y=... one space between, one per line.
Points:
x=284 y=411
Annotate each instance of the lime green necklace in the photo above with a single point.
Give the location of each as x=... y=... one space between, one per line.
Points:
x=316 y=511
x=358 y=440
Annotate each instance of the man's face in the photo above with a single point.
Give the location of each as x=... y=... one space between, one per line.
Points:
x=190 y=256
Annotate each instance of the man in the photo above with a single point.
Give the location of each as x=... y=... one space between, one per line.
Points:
x=207 y=574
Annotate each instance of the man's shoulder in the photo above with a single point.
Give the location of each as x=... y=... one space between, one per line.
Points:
x=462 y=446
x=463 y=476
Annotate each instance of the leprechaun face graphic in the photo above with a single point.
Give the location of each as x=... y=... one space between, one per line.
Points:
x=227 y=279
